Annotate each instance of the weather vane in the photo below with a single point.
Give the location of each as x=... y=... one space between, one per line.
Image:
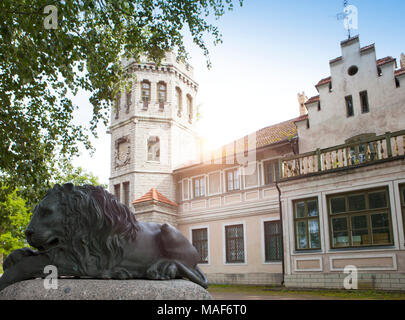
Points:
x=349 y=17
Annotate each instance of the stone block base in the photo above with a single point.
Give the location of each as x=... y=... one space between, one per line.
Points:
x=245 y=278
x=376 y=281
x=89 y=289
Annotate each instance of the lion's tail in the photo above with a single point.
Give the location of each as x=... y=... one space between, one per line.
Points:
x=194 y=275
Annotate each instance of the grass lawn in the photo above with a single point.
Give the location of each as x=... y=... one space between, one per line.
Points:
x=327 y=293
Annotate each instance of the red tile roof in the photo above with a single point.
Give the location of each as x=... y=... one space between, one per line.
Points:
x=324 y=81
x=385 y=60
x=154 y=195
x=313 y=99
x=399 y=72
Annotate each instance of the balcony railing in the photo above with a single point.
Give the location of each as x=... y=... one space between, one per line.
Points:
x=372 y=150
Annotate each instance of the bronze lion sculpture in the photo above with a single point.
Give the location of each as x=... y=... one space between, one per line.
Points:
x=85 y=232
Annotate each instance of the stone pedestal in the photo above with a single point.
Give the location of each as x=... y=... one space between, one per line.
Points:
x=89 y=289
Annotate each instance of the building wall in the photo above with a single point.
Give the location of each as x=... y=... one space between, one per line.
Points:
x=330 y=126
x=326 y=266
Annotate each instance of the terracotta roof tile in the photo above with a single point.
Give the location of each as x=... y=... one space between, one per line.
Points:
x=399 y=72
x=313 y=99
x=154 y=195
x=324 y=81
x=385 y=60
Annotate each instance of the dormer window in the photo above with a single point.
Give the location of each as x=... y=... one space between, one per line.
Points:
x=190 y=108
x=145 y=94
x=179 y=101
x=162 y=94
x=364 y=102
x=349 y=106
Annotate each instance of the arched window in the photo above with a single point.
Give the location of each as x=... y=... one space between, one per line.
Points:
x=129 y=100
x=145 y=93
x=179 y=101
x=117 y=105
x=190 y=108
x=162 y=94
x=153 y=148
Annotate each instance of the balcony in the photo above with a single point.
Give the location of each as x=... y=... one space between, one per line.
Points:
x=389 y=146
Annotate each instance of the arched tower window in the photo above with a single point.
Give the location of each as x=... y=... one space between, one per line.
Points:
x=117 y=105
x=179 y=101
x=145 y=93
x=129 y=100
x=153 y=148
x=190 y=108
x=162 y=94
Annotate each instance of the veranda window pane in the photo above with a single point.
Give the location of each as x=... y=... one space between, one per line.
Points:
x=380 y=228
x=312 y=208
x=300 y=210
x=360 y=234
x=377 y=200
x=302 y=235
x=314 y=240
x=340 y=233
x=338 y=205
x=357 y=202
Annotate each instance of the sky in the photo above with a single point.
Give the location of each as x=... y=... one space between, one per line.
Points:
x=271 y=50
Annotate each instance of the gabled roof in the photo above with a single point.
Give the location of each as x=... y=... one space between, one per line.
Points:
x=154 y=195
x=385 y=60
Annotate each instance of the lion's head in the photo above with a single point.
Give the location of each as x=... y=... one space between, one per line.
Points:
x=83 y=226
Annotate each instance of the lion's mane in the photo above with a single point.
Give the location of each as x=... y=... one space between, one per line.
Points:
x=96 y=229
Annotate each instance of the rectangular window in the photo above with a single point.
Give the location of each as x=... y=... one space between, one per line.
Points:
x=272 y=241
x=232 y=180
x=306 y=220
x=200 y=242
x=185 y=190
x=117 y=191
x=214 y=182
x=349 y=106
x=251 y=177
x=125 y=186
x=129 y=101
x=402 y=191
x=117 y=106
x=364 y=102
x=360 y=219
x=271 y=171
x=235 y=251
x=199 y=187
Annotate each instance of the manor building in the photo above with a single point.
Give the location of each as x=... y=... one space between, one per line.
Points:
x=291 y=203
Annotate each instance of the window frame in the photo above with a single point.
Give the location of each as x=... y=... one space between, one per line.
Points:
x=199 y=179
x=402 y=201
x=161 y=103
x=306 y=218
x=265 y=241
x=275 y=168
x=225 y=248
x=348 y=214
x=147 y=149
x=364 y=101
x=349 y=109
x=199 y=228
x=179 y=101
x=209 y=183
x=233 y=180
x=146 y=102
x=189 y=100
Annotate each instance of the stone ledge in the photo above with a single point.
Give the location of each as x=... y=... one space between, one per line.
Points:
x=89 y=289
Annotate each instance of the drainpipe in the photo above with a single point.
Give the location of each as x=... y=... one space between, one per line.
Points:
x=282 y=232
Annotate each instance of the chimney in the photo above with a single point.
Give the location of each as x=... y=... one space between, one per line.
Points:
x=402 y=61
x=302 y=98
